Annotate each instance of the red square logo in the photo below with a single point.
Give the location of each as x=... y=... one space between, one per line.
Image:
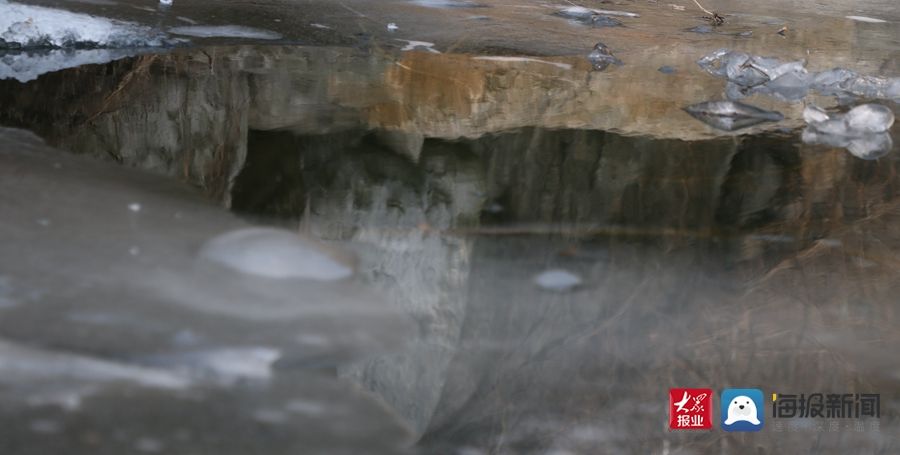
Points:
x=690 y=409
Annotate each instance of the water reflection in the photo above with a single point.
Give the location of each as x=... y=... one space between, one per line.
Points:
x=188 y=114
x=723 y=261
x=704 y=257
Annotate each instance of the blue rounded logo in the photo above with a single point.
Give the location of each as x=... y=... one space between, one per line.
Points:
x=742 y=409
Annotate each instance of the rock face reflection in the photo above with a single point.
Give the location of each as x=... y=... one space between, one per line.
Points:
x=664 y=234
x=188 y=114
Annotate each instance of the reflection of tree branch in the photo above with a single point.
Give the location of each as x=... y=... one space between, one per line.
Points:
x=142 y=67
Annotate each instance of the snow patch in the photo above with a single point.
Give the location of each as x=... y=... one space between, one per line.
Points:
x=35 y=40
x=274 y=253
x=424 y=45
x=870 y=20
x=37 y=27
x=29 y=66
x=557 y=280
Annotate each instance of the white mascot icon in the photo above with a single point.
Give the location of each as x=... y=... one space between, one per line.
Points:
x=742 y=409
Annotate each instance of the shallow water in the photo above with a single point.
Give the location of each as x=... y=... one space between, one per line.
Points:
x=536 y=251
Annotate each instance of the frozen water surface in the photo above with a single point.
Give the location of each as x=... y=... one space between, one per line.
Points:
x=336 y=243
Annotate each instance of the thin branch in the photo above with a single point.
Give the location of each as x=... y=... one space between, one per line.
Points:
x=704 y=9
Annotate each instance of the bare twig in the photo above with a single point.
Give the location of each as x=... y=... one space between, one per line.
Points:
x=714 y=18
x=704 y=9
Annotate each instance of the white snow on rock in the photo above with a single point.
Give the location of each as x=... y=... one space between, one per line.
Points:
x=419 y=45
x=35 y=40
x=870 y=20
x=25 y=67
x=274 y=253
x=225 y=31
x=558 y=280
x=27 y=26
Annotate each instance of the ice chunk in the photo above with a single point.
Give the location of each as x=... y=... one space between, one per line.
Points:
x=225 y=31
x=861 y=120
x=558 y=280
x=789 y=86
x=714 y=62
x=870 y=118
x=863 y=131
x=790 y=80
x=826 y=81
x=731 y=115
x=773 y=68
x=867 y=147
x=873 y=87
x=595 y=17
x=747 y=70
x=605 y=21
x=815 y=114
x=274 y=253
x=601 y=57
x=735 y=66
